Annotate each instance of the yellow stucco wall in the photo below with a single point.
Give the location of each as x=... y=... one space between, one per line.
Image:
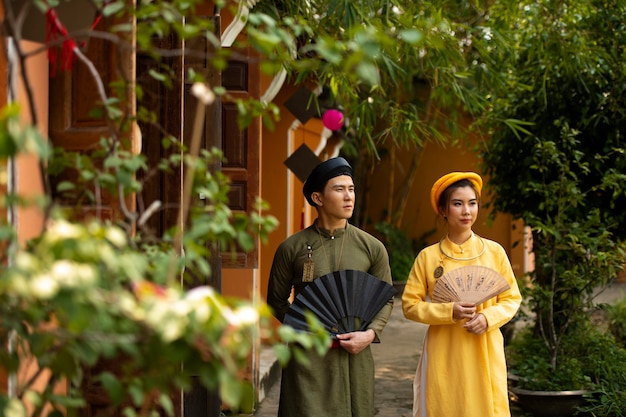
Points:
x=29 y=220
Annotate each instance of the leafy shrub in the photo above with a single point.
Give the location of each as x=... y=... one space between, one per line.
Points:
x=607 y=363
x=609 y=399
x=528 y=359
x=402 y=250
x=616 y=320
x=589 y=359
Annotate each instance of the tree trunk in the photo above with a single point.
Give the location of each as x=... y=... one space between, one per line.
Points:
x=408 y=185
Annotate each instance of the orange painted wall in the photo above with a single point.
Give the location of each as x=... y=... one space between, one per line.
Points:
x=30 y=220
x=239 y=283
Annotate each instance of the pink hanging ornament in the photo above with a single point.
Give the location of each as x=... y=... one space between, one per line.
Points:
x=332 y=119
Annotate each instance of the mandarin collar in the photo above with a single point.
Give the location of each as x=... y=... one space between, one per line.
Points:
x=326 y=233
x=467 y=247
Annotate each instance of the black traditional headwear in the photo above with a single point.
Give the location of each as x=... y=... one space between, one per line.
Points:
x=320 y=175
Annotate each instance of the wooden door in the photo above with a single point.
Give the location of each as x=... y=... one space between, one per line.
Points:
x=73 y=95
x=166 y=104
x=241 y=147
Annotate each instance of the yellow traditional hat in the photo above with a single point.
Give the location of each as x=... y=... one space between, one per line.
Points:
x=447 y=180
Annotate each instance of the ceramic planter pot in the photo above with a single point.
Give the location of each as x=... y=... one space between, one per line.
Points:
x=512 y=379
x=548 y=403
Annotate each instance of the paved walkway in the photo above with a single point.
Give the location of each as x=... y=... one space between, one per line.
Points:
x=396 y=359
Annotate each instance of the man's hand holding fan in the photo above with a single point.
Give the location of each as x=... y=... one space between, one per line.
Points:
x=343 y=301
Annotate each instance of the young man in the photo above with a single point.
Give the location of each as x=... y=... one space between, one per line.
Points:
x=340 y=383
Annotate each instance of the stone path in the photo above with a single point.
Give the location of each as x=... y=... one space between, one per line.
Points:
x=396 y=359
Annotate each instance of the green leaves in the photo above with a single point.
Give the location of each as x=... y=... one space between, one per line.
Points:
x=101 y=306
x=554 y=159
x=372 y=55
x=411 y=36
x=15 y=139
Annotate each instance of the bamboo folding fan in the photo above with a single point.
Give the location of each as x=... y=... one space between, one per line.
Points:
x=473 y=283
x=343 y=301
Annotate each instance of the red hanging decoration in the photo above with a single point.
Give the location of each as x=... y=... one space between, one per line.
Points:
x=55 y=30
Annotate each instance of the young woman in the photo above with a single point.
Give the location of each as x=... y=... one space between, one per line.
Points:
x=462 y=369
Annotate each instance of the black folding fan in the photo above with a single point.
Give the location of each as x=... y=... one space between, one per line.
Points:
x=343 y=301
